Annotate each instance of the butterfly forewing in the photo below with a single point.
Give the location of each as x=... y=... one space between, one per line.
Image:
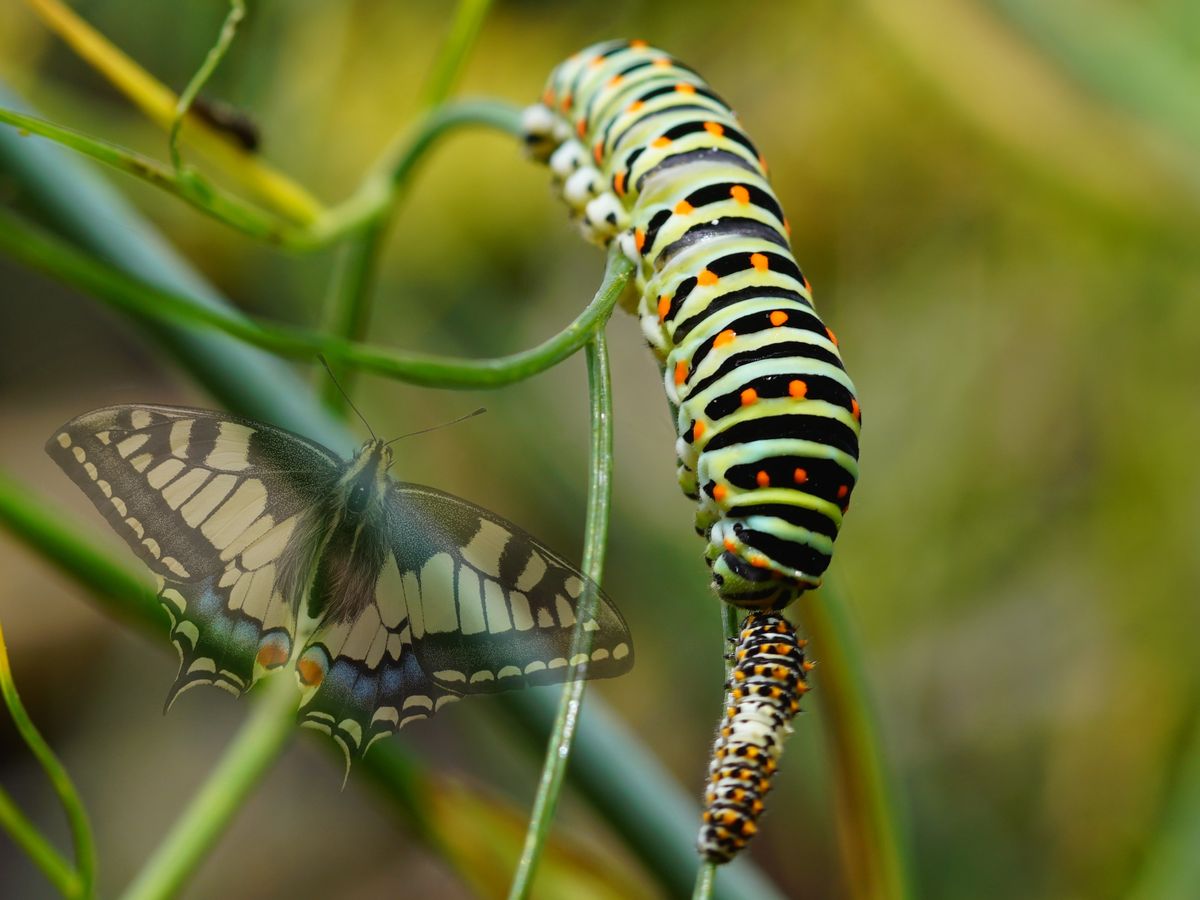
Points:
x=211 y=502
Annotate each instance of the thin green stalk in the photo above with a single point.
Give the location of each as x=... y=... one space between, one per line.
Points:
x=349 y=313
x=706 y=875
x=257 y=746
x=874 y=845
x=208 y=199
x=237 y=11
x=332 y=224
x=46 y=254
x=562 y=736
x=25 y=835
x=81 y=831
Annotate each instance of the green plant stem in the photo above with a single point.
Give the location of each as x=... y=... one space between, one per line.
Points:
x=874 y=846
x=329 y=226
x=257 y=746
x=81 y=832
x=46 y=254
x=706 y=875
x=209 y=199
x=706 y=881
x=349 y=313
x=562 y=735
x=26 y=836
x=237 y=11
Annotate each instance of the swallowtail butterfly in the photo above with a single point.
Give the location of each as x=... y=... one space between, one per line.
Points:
x=387 y=599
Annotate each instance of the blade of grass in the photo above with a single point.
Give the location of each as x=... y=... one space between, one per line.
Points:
x=566 y=721
x=83 y=877
x=41 y=252
x=639 y=799
x=349 y=309
x=874 y=845
x=25 y=835
x=158 y=103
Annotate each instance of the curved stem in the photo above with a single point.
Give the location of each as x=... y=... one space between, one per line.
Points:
x=558 y=750
x=873 y=843
x=237 y=11
x=324 y=228
x=255 y=749
x=83 y=879
x=118 y=290
x=26 y=836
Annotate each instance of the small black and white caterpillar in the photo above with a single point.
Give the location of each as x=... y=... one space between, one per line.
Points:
x=647 y=154
x=763 y=697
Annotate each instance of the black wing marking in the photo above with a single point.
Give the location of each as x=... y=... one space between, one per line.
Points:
x=216 y=505
x=492 y=608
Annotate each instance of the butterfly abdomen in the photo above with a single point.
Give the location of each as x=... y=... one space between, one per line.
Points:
x=644 y=152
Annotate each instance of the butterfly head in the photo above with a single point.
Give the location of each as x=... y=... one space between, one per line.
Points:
x=366 y=479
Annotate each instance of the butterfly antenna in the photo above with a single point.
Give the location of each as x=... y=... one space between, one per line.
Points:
x=470 y=415
x=342 y=391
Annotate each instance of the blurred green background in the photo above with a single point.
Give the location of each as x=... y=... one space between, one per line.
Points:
x=997 y=202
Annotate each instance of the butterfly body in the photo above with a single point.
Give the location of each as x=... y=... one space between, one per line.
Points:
x=387 y=599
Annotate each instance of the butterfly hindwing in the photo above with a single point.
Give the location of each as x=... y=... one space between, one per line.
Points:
x=492 y=608
x=361 y=677
x=215 y=505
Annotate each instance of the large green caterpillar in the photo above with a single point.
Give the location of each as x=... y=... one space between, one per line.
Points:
x=768 y=422
x=645 y=153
